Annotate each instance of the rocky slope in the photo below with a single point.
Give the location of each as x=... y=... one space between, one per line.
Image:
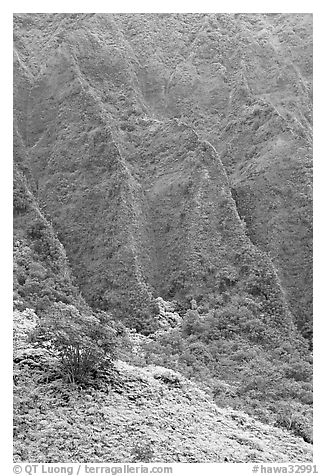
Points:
x=93 y=98
x=245 y=83
x=167 y=157
x=134 y=414
x=41 y=270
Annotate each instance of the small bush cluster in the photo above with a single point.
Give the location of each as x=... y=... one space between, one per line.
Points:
x=84 y=343
x=142 y=452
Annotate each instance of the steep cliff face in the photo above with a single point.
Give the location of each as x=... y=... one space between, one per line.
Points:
x=245 y=83
x=162 y=173
x=143 y=203
x=41 y=271
x=271 y=180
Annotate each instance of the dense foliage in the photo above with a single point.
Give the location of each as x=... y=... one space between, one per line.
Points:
x=119 y=143
x=162 y=155
x=244 y=364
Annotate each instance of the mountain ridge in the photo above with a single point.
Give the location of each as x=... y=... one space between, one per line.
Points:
x=166 y=158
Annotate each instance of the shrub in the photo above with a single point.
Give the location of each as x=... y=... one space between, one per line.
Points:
x=299 y=371
x=142 y=452
x=21 y=198
x=167 y=376
x=84 y=343
x=36 y=229
x=191 y=324
x=293 y=417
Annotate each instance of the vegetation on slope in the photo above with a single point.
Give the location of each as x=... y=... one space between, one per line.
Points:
x=211 y=210
x=90 y=86
x=129 y=414
x=242 y=362
x=41 y=271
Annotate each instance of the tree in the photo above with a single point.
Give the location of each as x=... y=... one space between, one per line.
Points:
x=85 y=344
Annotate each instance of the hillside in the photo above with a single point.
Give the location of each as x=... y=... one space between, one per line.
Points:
x=163 y=183
x=134 y=414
